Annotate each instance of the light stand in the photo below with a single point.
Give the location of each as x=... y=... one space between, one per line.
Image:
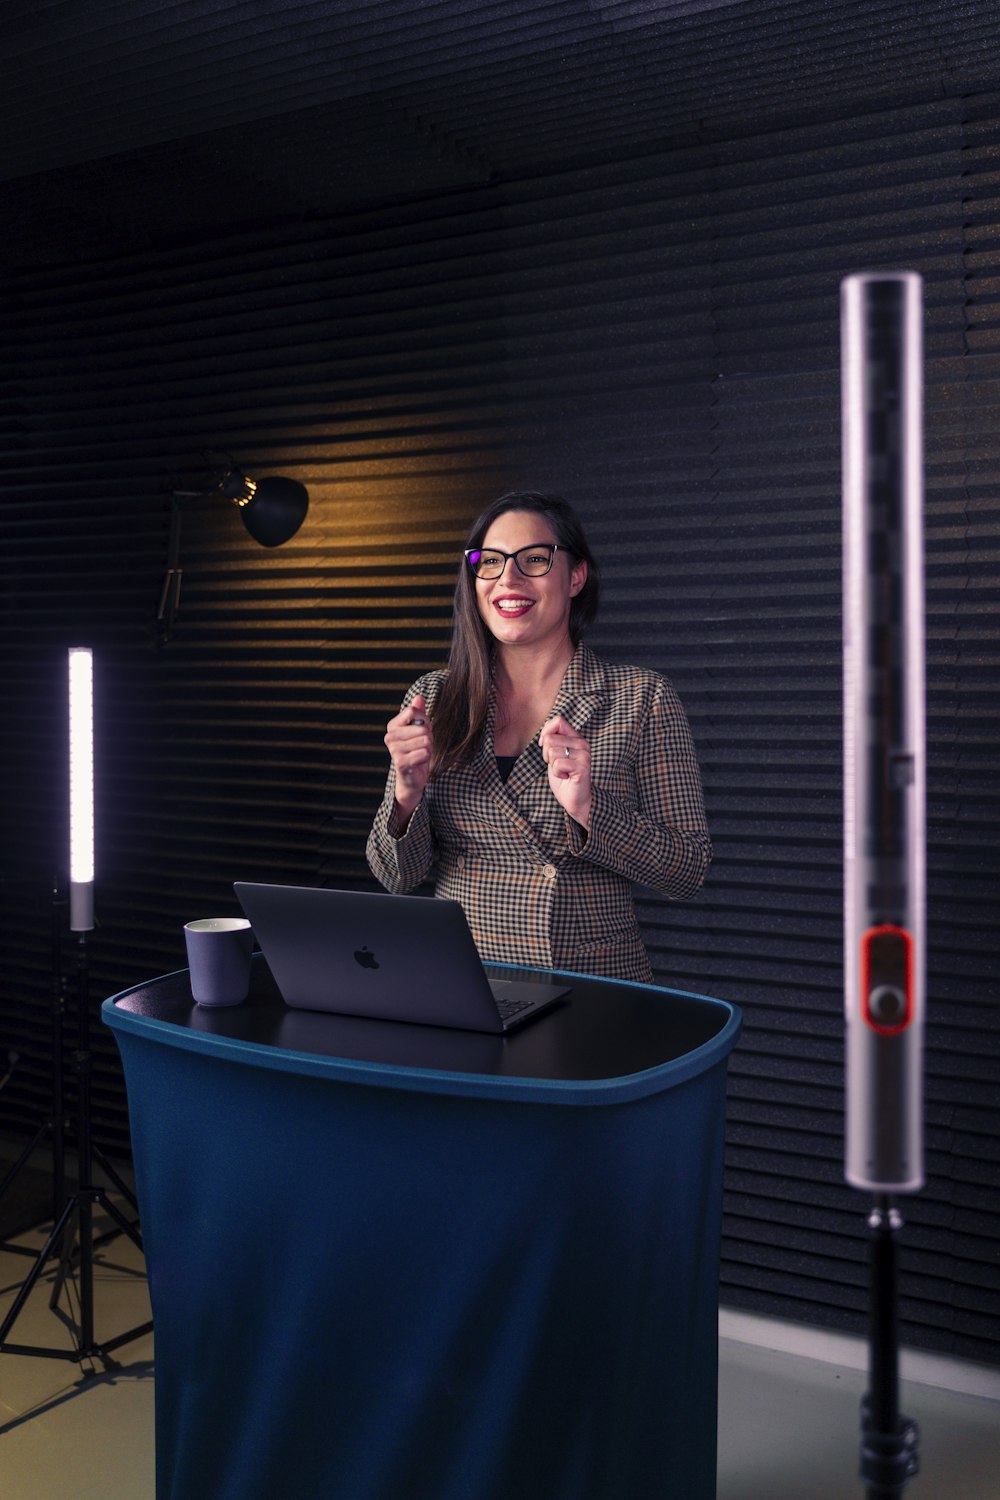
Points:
x=73 y=1228
x=884 y=799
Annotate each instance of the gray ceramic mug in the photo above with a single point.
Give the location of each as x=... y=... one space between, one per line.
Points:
x=218 y=951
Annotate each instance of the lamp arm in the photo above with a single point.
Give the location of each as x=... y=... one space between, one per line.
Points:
x=170 y=594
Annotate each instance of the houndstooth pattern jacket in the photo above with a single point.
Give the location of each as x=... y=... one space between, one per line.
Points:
x=537 y=888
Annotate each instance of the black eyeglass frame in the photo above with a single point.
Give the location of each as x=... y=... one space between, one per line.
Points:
x=471 y=552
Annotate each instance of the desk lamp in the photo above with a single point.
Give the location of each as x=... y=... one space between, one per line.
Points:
x=272 y=509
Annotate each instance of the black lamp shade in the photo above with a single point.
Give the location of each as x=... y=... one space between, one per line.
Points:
x=275 y=510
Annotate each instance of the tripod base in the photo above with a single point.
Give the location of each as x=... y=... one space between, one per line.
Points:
x=73 y=1230
x=71 y=1237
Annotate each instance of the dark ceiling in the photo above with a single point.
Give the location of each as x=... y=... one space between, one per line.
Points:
x=126 y=124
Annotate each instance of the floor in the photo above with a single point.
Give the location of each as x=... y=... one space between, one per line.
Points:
x=788 y=1420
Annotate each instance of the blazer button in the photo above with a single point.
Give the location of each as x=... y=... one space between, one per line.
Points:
x=549 y=872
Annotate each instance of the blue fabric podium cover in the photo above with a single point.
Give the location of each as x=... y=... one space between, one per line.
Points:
x=387 y=1283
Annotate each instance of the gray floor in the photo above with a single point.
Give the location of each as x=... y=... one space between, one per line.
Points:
x=788 y=1420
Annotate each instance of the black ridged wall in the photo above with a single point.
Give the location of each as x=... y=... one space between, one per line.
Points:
x=657 y=338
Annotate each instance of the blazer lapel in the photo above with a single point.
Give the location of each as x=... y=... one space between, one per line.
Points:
x=578 y=697
x=484 y=762
x=582 y=689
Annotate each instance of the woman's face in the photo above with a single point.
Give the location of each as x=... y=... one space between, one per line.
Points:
x=528 y=611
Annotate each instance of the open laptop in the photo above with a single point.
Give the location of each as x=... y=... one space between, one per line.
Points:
x=391 y=958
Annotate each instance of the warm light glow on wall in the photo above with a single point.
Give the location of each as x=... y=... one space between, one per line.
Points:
x=81 y=788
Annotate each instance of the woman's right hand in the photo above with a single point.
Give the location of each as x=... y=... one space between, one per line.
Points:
x=409 y=739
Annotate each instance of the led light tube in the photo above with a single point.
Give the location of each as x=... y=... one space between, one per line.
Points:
x=884 y=729
x=81 y=788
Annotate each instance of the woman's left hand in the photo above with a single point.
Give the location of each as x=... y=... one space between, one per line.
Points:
x=567 y=756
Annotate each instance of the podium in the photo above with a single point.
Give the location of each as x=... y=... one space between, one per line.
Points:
x=395 y=1262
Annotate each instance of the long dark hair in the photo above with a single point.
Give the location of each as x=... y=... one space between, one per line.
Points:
x=460 y=710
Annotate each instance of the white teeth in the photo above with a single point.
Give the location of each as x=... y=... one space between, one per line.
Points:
x=509 y=605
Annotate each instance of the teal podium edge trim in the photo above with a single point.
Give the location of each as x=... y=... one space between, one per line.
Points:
x=593 y=1091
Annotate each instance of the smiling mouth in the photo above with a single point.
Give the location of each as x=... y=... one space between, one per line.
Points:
x=511 y=608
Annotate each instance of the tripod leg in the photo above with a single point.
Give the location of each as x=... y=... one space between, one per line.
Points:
x=40 y=1263
x=67 y=1254
x=86 y=1273
x=22 y=1160
x=126 y=1227
x=116 y=1180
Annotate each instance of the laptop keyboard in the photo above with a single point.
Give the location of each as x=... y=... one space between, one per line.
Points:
x=509 y=1007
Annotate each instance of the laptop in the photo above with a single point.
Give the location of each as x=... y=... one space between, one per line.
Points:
x=390 y=958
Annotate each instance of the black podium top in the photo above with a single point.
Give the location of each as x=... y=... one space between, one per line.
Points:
x=607 y=1040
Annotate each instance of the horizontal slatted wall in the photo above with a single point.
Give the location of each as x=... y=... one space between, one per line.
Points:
x=692 y=309
x=658 y=339
x=365 y=362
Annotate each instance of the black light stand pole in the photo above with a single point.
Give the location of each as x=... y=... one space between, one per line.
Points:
x=87 y=1151
x=88 y=1194
x=889 y=1442
x=58 y=1122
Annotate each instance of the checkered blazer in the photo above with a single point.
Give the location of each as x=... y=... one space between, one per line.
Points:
x=537 y=888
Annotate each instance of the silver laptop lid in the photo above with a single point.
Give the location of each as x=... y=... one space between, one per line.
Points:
x=364 y=953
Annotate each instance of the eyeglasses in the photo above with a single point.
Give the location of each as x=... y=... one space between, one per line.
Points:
x=533 y=562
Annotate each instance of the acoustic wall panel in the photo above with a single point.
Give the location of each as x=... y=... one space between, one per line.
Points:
x=658 y=338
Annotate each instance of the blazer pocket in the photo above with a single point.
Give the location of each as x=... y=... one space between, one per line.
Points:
x=625 y=942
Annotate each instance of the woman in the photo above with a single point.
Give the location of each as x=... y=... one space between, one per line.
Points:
x=540 y=781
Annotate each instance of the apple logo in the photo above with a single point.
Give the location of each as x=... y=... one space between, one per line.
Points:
x=365 y=958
